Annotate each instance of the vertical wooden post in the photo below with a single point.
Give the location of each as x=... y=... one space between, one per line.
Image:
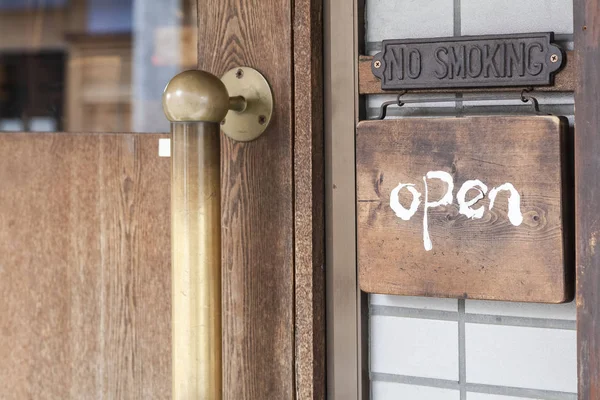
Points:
x=587 y=181
x=258 y=202
x=309 y=213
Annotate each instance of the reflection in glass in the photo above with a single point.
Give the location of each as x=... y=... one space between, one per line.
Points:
x=91 y=65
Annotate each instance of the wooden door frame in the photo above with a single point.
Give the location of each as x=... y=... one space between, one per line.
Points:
x=587 y=170
x=347 y=367
x=272 y=201
x=309 y=201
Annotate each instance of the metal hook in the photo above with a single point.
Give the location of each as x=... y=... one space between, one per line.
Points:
x=385 y=105
x=400 y=102
x=525 y=98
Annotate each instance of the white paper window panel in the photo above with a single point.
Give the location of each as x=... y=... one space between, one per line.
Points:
x=485 y=396
x=414 y=347
x=566 y=311
x=522 y=357
x=424 y=303
x=391 y=19
x=395 y=19
x=399 y=391
x=516 y=16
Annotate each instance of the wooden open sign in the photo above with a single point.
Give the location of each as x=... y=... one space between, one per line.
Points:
x=473 y=207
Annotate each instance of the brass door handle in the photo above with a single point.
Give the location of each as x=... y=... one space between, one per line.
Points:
x=198 y=104
x=241 y=101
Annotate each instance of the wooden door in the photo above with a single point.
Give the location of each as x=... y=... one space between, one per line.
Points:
x=84 y=266
x=85 y=229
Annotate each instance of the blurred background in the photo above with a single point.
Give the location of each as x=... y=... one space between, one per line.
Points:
x=91 y=65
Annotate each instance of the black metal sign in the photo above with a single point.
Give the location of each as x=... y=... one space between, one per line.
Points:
x=468 y=61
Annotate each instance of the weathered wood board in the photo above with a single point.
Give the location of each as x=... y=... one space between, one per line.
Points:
x=487 y=242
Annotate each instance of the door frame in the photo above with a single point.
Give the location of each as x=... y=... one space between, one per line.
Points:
x=272 y=201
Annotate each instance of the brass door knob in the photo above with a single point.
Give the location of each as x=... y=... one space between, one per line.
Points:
x=241 y=101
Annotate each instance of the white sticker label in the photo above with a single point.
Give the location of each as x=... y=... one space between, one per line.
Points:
x=164 y=147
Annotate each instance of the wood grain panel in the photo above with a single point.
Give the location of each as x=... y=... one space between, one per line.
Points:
x=309 y=197
x=84 y=267
x=565 y=80
x=485 y=258
x=587 y=173
x=257 y=202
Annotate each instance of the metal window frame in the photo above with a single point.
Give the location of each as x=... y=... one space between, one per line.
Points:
x=347 y=366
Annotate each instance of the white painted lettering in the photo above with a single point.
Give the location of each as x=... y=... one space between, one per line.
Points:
x=444 y=201
x=465 y=206
x=514 y=203
x=398 y=208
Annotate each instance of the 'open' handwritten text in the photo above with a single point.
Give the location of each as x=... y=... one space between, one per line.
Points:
x=465 y=207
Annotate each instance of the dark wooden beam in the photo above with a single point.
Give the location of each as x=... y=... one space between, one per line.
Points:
x=309 y=198
x=587 y=182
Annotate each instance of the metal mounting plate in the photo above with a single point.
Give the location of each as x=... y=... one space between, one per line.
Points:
x=249 y=124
